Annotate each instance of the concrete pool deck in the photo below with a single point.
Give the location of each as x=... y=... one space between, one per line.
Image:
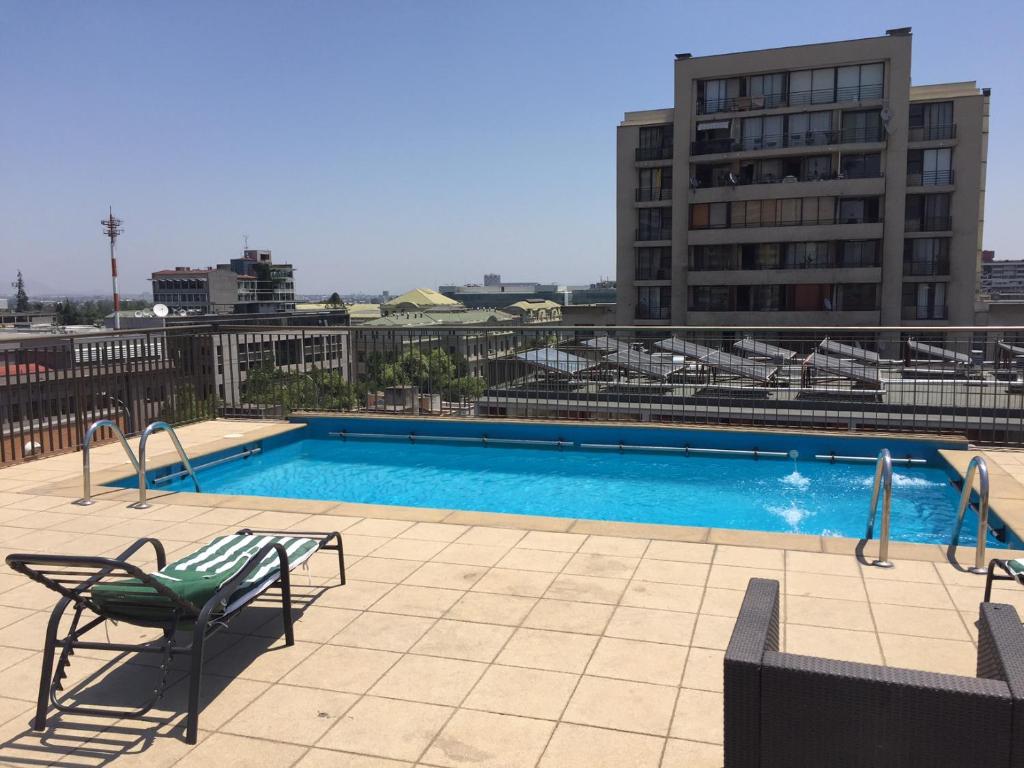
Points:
x=461 y=638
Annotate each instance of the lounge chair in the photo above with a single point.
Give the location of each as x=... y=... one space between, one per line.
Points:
x=1013 y=570
x=200 y=594
x=784 y=710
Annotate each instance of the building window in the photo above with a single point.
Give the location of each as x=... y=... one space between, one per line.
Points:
x=719 y=95
x=924 y=301
x=710 y=298
x=655 y=142
x=709 y=215
x=767 y=91
x=654 y=302
x=654 y=263
x=712 y=257
x=655 y=184
x=862 y=126
x=760 y=255
x=655 y=224
x=809 y=129
x=929 y=167
x=930 y=122
x=812 y=86
x=927 y=256
x=858 y=253
x=806 y=255
x=866 y=166
x=857 y=297
x=860 y=82
x=928 y=213
x=858 y=210
x=763 y=132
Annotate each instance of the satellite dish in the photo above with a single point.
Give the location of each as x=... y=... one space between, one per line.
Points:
x=733 y=180
x=138 y=313
x=160 y=310
x=886 y=116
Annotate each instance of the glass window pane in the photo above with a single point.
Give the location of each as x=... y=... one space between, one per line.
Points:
x=823 y=86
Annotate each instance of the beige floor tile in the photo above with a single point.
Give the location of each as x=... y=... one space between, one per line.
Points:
x=471 y=554
x=905 y=570
x=492 y=609
x=738 y=577
x=363 y=545
x=434 y=532
x=318 y=623
x=376 y=568
x=490 y=741
x=446 y=575
x=968 y=599
x=704 y=669
x=383 y=631
x=830 y=643
x=492 y=537
x=592 y=589
x=241 y=751
x=577 y=746
x=429 y=679
x=822 y=562
x=824 y=585
x=950 y=657
x=341 y=668
x=698 y=716
x=920 y=622
x=376 y=527
x=672 y=572
x=535 y=560
x=712 y=631
x=680 y=551
x=387 y=728
x=328 y=758
x=542 y=649
x=622 y=705
x=310 y=713
x=463 y=640
x=615 y=545
x=822 y=612
x=259 y=658
x=355 y=595
x=504 y=581
x=612 y=566
x=417 y=601
x=654 y=625
x=410 y=549
x=692 y=754
x=910 y=593
x=671 y=597
x=725 y=602
x=520 y=691
x=638 y=661
x=750 y=557
x=559 y=542
x=567 y=616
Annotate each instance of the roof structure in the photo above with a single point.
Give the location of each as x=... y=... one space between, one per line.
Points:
x=724 y=362
x=557 y=360
x=844 y=369
x=837 y=349
x=460 y=317
x=421 y=298
x=938 y=353
x=753 y=348
x=533 y=305
x=641 y=362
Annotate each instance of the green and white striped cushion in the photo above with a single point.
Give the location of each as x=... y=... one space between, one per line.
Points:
x=198 y=576
x=1016 y=567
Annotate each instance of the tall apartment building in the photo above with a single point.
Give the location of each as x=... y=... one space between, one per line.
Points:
x=1001 y=278
x=251 y=284
x=810 y=185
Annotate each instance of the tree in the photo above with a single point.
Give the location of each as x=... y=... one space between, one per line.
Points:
x=334 y=300
x=68 y=313
x=21 y=297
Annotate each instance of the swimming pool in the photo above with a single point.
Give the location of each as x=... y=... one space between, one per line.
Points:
x=638 y=474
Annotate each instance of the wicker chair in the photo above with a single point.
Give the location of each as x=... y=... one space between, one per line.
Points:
x=788 y=711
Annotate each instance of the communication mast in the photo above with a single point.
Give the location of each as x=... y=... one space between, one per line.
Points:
x=112 y=228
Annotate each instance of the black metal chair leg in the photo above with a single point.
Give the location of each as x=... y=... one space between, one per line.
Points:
x=341 y=557
x=988 y=580
x=195 y=682
x=46 y=676
x=286 y=608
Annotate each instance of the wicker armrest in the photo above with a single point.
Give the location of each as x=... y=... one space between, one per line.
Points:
x=756 y=631
x=1001 y=657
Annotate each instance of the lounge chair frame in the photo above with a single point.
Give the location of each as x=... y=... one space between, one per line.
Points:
x=74 y=576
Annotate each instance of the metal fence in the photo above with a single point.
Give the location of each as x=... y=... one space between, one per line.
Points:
x=967 y=382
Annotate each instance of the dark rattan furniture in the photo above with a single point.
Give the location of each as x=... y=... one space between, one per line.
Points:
x=788 y=711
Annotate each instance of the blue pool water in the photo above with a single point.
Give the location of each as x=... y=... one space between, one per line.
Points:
x=803 y=496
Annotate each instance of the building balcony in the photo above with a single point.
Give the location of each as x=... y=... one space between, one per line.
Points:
x=653 y=153
x=925 y=313
x=650 y=195
x=788 y=140
x=931 y=133
x=937 y=268
x=930 y=178
x=929 y=224
x=802 y=222
x=644 y=272
x=832 y=261
x=653 y=313
x=647 y=234
x=792 y=99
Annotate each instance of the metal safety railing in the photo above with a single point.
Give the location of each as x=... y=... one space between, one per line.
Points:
x=980 y=467
x=87 y=499
x=158 y=426
x=883 y=482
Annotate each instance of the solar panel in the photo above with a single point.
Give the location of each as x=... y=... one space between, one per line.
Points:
x=606 y=344
x=641 y=362
x=557 y=360
x=846 y=369
x=721 y=361
x=761 y=349
x=836 y=349
x=939 y=353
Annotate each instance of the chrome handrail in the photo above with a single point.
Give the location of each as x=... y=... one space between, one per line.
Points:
x=87 y=499
x=157 y=426
x=979 y=465
x=883 y=480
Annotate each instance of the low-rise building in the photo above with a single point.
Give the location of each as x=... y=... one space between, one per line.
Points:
x=536 y=311
x=1004 y=278
x=251 y=284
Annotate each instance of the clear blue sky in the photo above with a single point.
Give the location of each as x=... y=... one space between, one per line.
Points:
x=391 y=144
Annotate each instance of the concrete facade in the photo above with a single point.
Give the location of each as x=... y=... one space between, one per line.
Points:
x=788 y=187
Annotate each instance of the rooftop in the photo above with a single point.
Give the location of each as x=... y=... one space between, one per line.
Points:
x=460 y=638
x=422 y=297
x=458 y=317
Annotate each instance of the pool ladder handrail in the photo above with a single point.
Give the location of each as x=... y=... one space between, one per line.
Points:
x=883 y=482
x=87 y=499
x=158 y=426
x=980 y=466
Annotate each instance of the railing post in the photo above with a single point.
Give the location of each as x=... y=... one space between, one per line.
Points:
x=883 y=482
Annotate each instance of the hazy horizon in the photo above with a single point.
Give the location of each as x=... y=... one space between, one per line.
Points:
x=389 y=145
